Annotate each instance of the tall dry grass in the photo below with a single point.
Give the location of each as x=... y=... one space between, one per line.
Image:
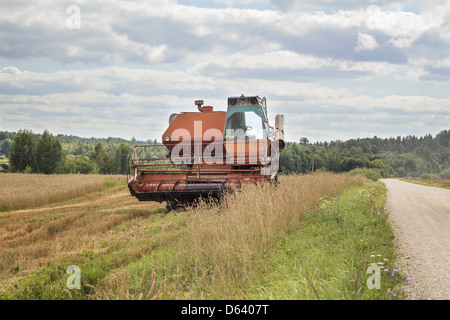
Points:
x=227 y=240
x=20 y=191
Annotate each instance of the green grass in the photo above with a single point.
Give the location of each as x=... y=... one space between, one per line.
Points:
x=329 y=256
x=50 y=283
x=429 y=182
x=110 y=183
x=372 y=174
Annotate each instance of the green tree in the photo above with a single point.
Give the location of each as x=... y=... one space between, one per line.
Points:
x=287 y=161
x=304 y=141
x=123 y=150
x=5 y=147
x=22 y=151
x=445 y=174
x=101 y=157
x=332 y=161
x=350 y=163
x=48 y=153
x=85 y=165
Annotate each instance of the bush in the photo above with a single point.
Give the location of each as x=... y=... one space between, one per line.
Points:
x=373 y=174
x=428 y=176
x=445 y=174
x=4 y=167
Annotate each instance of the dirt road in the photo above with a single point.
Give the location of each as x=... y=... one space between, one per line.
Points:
x=421 y=219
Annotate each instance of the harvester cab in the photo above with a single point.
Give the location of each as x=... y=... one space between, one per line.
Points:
x=247 y=117
x=209 y=152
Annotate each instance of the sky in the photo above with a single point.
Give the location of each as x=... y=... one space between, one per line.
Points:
x=336 y=70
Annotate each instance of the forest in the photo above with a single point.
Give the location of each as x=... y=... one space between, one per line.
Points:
x=410 y=156
x=427 y=157
x=28 y=152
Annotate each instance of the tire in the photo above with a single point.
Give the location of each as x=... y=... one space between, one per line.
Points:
x=173 y=205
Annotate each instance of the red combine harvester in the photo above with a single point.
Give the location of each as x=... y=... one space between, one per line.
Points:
x=210 y=152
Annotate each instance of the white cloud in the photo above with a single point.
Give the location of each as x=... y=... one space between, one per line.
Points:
x=403 y=27
x=366 y=42
x=103 y=103
x=9 y=70
x=140 y=61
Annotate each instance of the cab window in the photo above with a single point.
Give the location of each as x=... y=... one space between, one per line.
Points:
x=245 y=121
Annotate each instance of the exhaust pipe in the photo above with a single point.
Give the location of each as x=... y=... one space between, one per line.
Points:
x=201 y=108
x=279 y=127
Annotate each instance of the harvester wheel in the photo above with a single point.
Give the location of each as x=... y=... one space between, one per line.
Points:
x=172 y=205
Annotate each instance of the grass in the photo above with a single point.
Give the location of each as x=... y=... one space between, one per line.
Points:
x=220 y=246
x=329 y=256
x=372 y=174
x=275 y=242
x=228 y=240
x=440 y=183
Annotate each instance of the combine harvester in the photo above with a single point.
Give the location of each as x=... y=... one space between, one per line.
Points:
x=210 y=152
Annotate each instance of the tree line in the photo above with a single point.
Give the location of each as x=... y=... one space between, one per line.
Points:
x=426 y=157
x=44 y=153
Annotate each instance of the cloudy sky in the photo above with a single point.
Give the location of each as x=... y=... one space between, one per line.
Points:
x=335 y=69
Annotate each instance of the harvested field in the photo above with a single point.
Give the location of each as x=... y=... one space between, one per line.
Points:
x=34 y=237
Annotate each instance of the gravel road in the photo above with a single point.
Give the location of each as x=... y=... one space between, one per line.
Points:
x=420 y=216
